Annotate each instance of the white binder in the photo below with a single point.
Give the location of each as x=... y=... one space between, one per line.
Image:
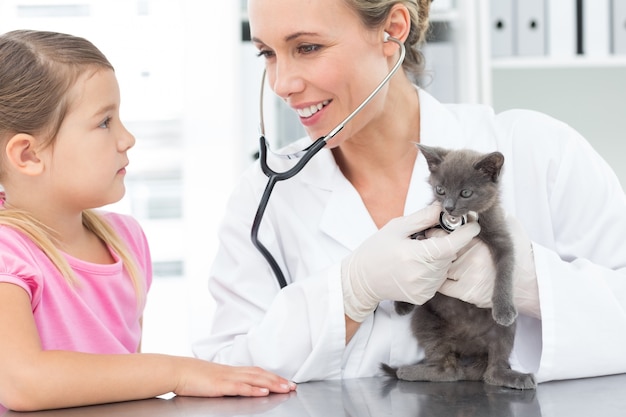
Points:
x=561 y=28
x=531 y=27
x=596 y=28
x=619 y=27
x=502 y=31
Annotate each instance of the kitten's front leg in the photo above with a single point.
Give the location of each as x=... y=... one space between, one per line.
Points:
x=503 y=308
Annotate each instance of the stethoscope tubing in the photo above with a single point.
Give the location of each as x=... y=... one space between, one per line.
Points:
x=273 y=178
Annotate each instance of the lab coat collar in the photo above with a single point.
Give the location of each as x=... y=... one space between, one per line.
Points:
x=345 y=218
x=438 y=125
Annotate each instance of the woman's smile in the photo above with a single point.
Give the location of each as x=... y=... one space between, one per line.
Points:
x=308 y=111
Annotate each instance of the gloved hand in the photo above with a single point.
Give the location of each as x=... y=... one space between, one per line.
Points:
x=472 y=274
x=391 y=266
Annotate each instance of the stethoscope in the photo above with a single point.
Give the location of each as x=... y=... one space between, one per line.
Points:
x=303 y=156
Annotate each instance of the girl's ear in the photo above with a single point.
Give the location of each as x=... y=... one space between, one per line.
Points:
x=22 y=156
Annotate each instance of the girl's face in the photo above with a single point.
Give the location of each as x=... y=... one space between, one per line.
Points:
x=87 y=163
x=321 y=60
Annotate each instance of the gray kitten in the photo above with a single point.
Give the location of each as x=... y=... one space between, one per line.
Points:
x=462 y=341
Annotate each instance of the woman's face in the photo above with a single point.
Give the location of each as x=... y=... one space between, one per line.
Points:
x=321 y=60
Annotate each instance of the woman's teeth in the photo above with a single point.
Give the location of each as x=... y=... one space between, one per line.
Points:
x=311 y=110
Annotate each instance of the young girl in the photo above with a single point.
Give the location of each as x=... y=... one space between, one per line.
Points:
x=73 y=281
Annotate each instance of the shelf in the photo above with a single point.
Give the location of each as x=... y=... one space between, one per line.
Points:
x=547 y=62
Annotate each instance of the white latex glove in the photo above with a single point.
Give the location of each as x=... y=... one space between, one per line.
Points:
x=390 y=265
x=472 y=274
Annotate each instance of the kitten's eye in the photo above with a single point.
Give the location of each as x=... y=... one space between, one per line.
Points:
x=440 y=190
x=466 y=193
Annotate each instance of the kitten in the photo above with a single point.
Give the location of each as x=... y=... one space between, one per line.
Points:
x=462 y=341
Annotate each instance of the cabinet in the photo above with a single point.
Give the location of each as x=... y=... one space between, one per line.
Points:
x=579 y=79
x=587 y=90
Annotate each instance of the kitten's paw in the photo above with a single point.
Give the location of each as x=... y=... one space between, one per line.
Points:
x=511 y=379
x=504 y=315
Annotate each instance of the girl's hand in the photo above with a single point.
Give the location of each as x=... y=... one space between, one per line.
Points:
x=200 y=378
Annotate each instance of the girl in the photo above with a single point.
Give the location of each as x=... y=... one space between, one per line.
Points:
x=73 y=281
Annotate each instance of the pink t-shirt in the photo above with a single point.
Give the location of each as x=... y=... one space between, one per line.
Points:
x=97 y=315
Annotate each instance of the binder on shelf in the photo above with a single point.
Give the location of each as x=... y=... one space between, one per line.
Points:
x=501 y=22
x=561 y=28
x=596 y=24
x=618 y=27
x=531 y=27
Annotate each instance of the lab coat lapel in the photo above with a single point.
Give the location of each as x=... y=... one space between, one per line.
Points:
x=420 y=194
x=346 y=218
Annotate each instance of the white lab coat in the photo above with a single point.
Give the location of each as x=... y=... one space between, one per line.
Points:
x=567 y=198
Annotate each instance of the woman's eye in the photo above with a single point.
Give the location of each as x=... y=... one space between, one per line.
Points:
x=307 y=49
x=264 y=53
x=105 y=123
x=440 y=190
x=466 y=193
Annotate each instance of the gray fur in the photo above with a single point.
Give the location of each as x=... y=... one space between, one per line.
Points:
x=460 y=340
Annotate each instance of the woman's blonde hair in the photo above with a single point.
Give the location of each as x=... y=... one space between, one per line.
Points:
x=37 y=69
x=373 y=14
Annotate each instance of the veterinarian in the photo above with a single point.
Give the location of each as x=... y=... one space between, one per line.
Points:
x=339 y=230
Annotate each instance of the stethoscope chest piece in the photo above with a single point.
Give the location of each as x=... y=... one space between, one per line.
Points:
x=450 y=223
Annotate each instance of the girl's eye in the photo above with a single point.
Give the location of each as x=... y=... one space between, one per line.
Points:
x=105 y=123
x=466 y=193
x=440 y=190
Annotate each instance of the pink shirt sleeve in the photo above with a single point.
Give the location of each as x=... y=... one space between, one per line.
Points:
x=100 y=313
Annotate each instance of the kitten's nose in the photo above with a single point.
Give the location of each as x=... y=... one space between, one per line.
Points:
x=448 y=205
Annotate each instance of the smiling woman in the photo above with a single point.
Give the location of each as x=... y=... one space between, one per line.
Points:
x=340 y=229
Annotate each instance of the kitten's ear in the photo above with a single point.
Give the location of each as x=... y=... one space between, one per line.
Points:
x=434 y=156
x=490 y=165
